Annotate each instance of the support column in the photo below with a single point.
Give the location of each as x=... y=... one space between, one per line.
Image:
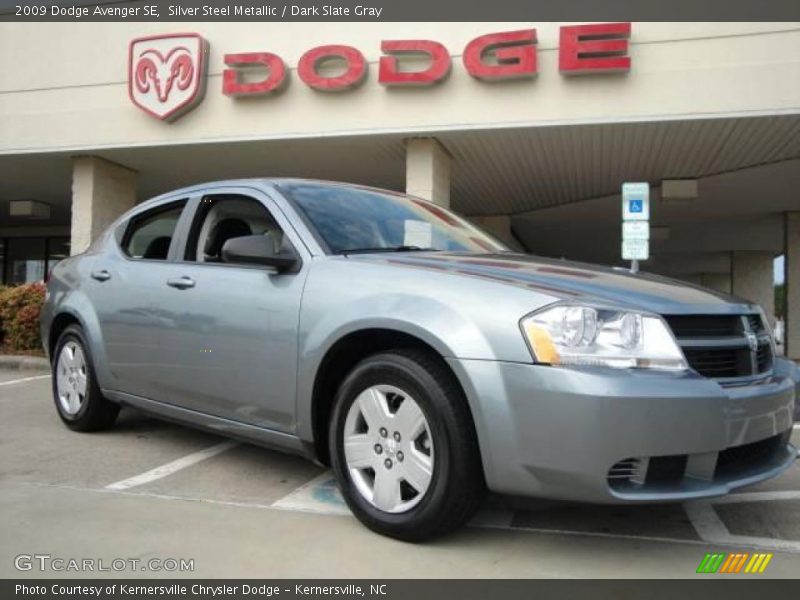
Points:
x=792 y=282
x=101 y=192
x=500 y=227
x=720 y=282
x=428 y=170
x=752 y=279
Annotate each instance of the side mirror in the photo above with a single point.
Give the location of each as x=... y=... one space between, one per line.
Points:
x=260 y=249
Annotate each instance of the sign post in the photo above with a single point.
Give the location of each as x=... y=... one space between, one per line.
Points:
x=635 y=223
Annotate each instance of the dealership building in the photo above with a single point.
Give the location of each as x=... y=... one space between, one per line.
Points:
x=528 y=129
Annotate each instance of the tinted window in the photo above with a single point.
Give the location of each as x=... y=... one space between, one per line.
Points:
x=224 y=217
x=351 y=219
x=150 y=234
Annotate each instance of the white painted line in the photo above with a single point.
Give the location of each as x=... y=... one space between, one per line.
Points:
x=320 y=495
x=736 y=541
x=707 y=523
x=171 y=467
x=796 y=426
x=711 y=529
x=757 y=497
x=24 y=379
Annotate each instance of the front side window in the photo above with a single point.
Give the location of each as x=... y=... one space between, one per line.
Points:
x=224 y=217
x=352 y=220
x=150 y=234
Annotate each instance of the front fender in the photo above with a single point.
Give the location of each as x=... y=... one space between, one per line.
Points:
x=438 y=325
x=788 y=368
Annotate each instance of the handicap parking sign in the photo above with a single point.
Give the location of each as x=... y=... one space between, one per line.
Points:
x=635 y=201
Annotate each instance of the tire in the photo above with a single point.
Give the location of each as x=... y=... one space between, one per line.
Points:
x=77 y=397
x=455 y=486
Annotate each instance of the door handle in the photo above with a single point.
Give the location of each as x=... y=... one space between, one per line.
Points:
x=101 y=275
x=182 y=283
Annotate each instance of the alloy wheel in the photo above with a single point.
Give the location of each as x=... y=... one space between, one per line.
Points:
x=388 y=448
x=71 y=377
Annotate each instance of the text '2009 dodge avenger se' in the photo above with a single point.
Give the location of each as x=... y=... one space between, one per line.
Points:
x=418 y=356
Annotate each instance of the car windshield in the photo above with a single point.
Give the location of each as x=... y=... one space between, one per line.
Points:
x=358 y=220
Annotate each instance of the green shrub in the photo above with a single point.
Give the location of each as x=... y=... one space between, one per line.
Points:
x=20 y=307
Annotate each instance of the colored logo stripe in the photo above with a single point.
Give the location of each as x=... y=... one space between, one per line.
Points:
x=711 y=563
x=758 y=563
x=734 y=563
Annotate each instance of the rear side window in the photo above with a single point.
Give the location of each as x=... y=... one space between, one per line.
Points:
x=150 y=234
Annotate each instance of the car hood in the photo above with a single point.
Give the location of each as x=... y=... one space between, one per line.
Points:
x=572 y=281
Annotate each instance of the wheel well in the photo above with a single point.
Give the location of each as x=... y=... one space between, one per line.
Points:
x=60 y=323
x=340 y=360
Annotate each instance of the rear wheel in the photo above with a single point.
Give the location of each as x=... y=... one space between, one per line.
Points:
x=78 y=399
x=403 y=447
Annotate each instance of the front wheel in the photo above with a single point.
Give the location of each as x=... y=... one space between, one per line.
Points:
x=403 y=447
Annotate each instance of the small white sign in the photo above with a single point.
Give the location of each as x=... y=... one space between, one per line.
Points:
x=635 y=249
x=636 y=230
x=635 y=202
x=418 y=233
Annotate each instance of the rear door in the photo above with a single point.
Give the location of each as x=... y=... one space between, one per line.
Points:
x=229 y=331
x=124 y=287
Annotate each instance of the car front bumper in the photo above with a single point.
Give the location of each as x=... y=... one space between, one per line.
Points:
x=611 y=436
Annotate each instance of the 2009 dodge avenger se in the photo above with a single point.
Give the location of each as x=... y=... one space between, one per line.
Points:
x=417 y=355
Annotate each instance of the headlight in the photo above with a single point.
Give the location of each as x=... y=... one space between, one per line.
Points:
x=582 y=335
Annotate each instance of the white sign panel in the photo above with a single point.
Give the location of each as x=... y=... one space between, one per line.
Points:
x=418 y=233
x=635 y=202
x=635 y=249
x=636 y=230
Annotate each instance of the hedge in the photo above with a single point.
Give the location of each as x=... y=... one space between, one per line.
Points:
x=20 y=307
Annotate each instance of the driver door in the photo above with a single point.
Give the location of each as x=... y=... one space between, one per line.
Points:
x=229 y=331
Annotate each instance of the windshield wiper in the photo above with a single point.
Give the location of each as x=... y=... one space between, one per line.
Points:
x=388 y=249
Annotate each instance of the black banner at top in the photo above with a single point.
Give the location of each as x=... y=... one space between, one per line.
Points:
x=400 y=10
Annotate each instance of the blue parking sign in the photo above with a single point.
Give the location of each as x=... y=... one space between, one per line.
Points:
x=635 y=201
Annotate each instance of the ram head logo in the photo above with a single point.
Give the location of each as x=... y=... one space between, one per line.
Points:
x=166 y=73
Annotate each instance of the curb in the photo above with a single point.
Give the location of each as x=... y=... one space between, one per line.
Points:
x=24 y=363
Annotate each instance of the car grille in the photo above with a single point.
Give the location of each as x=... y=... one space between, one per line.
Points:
x=723 y=346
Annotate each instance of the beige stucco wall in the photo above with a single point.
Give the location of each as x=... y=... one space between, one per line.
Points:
x=793 y=285
x=752 y=279
x=101 y=192
x=63 y=85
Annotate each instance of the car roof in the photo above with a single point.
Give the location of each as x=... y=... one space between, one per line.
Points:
x=268 y=182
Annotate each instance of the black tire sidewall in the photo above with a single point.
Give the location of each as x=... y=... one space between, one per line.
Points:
x=75 y=333
x=403 y=373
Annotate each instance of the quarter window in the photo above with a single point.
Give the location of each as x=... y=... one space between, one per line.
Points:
x=150 y=234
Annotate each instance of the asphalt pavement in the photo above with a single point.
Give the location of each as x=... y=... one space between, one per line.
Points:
x=152 y=491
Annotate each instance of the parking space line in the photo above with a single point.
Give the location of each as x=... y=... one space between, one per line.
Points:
x=712 y=530
x=171 y=467
x=757 y=497
x=728 y=540
x=24 y=379
x=320 y=495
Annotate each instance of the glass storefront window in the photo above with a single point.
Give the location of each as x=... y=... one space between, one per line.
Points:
x=57 y=249
x=25 y=260
x=28 y=259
